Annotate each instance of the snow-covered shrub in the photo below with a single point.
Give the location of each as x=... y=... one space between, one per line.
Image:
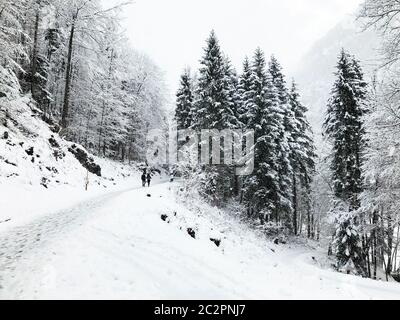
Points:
x=279 y=234
x=347 y=245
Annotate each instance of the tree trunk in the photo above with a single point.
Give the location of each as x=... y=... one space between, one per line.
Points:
x=101 y=129
x=65 y=110
x=235 y=184
x=308 y=222
x=35 y=55
x=390 y=234
x=374 y=241
x=295 y=227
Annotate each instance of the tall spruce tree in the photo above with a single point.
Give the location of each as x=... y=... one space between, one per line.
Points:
x=216 y=108
x=275 y=69
x=246 y=113
x=303 y=158
x=344 y=128
x=214 y=104
x=184 y=102
x=263 y=189
x=231 y=114
x=285 y=141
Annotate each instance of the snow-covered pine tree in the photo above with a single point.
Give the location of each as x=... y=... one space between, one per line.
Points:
x=278 y=78
x=345 y=129
x=263 y=189
x=246 y=114
x=232 y=115
x=215 y=108
x=184 y=101
x=303 y=159
x=285 y=142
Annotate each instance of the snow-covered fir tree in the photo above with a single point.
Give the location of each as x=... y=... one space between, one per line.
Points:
x=184 y=113
x=216 y=108
x=285 y=140
x=303 y=160
x=246 y=114
x=263 y=188
x=214 y=104
x=344 y=128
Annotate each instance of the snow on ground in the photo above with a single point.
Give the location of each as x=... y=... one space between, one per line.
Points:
x=118 y=246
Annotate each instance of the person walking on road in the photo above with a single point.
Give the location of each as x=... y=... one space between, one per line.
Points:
x=144 y=179
x=148 y=179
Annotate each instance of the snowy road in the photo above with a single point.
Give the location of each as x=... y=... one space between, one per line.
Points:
x=28 y=240
x=116 y=246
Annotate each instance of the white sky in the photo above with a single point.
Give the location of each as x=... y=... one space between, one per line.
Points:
x=173 y=32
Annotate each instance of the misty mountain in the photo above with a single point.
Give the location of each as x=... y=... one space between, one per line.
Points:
x=315 y=74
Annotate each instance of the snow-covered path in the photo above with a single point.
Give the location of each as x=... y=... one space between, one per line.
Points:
x=116 y=246
x=30 y=239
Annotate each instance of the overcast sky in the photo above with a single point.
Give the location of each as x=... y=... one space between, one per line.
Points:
x=173 y=32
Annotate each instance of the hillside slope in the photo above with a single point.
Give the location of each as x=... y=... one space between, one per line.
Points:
x=36 y=165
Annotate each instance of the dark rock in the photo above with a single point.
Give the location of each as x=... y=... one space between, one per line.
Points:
x=280 y=240
x=29 y=151
x=2 y=95
x=5 y=135
x=191 y=233
x=58 y=154
x=149 y=195
x=164 y=217
x=216 y=241
x=53 y=142
x=55 y=128
x=52 y=169
x=45 y=182
x=85 y=160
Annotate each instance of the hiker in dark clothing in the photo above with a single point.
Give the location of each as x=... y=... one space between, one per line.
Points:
x=148 y=179
x=144 y=179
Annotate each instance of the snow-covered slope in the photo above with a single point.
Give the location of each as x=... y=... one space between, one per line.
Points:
x=315 y=74
x=36 y=165
x=145 y=243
